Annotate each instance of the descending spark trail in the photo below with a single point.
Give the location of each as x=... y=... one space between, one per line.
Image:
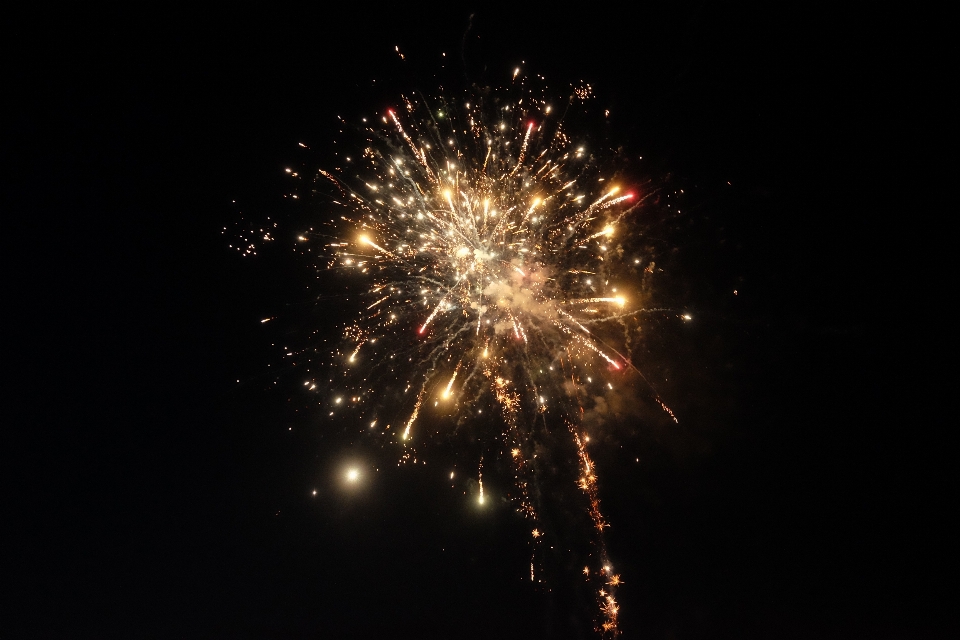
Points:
x=493 y=246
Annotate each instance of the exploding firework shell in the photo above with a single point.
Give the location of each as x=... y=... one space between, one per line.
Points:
x=489 y=238
x=491 y=243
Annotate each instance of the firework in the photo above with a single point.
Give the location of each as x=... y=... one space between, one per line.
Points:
x=493 y=252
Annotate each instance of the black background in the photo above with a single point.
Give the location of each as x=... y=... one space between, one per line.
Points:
x=801 y=495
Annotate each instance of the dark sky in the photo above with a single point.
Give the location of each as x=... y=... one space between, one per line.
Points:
x=156 y=497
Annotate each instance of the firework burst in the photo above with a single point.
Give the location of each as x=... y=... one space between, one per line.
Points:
x=495 y=258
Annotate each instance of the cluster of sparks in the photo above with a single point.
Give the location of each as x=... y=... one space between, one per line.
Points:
x=493 y=255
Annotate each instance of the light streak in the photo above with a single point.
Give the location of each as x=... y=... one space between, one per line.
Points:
x=480 y=473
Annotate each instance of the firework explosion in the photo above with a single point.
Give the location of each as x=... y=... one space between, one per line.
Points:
x=495 y=262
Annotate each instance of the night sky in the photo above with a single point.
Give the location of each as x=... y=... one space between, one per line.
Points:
x=156 y=496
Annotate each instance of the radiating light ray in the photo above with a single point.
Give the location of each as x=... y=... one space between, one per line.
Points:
x=366 y=240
